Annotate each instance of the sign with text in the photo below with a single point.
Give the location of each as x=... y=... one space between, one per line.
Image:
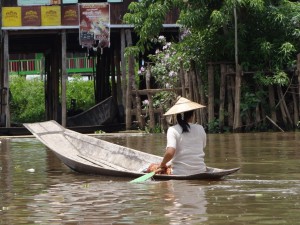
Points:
x=94 y=19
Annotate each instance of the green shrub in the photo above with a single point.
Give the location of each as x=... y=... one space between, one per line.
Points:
x=27 y=97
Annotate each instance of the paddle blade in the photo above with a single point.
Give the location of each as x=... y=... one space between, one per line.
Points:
x=143 y=178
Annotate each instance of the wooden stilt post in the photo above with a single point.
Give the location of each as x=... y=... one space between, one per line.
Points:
x=64 y=78
x=123 y=71
x=6 y=78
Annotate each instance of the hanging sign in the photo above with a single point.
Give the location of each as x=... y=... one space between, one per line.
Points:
x=93 y=28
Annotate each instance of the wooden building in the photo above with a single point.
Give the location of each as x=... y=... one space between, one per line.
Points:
x=53 y=37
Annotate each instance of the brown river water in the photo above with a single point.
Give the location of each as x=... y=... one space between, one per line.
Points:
x=36 y=188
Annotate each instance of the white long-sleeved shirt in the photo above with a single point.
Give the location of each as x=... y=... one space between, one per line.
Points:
x=189 y=154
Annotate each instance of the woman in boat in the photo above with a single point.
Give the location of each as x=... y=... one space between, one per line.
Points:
x=185 y=140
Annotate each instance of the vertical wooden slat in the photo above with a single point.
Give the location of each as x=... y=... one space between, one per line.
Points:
x=222 y=96
x=237 y=99
x=211 y=101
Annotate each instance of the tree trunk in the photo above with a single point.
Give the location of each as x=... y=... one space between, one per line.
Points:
x=195 y=88
x=130 y=82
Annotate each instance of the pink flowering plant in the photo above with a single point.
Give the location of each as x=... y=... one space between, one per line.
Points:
x=166 y=63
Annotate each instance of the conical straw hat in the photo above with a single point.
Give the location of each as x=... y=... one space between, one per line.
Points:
x=183 y=105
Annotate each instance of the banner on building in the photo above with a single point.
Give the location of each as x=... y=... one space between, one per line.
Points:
x=69 y=15
x=94 y=20
x=31 y=15
x=51 y=15
x=11 y=17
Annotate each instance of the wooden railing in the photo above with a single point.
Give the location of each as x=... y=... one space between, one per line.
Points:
x=34 y=66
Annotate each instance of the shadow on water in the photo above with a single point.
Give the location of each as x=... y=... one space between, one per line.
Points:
x=36 y=188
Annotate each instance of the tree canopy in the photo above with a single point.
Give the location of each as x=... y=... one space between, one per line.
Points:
x=268 y=30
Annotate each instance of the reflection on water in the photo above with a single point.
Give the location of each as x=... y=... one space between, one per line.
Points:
x=36 y=188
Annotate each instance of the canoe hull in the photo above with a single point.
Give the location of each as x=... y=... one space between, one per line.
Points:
x=90 y=155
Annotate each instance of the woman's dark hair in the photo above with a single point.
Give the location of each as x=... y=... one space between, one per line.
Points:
x=182 y=119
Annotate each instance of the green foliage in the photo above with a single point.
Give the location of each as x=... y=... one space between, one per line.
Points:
x=82 y=91
x=27 y=103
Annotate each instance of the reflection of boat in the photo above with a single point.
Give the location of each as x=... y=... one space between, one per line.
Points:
x=103 y=112
x=90 y=155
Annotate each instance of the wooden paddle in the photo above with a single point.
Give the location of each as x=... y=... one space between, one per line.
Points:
x=145 y=177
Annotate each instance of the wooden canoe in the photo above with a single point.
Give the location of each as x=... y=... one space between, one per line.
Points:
x=91 y=155
x=104 y=112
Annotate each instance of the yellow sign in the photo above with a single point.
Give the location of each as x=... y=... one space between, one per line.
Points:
x=11 y=17
x=51 y=15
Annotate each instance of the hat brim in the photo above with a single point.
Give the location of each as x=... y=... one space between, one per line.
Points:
x=183 y=106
